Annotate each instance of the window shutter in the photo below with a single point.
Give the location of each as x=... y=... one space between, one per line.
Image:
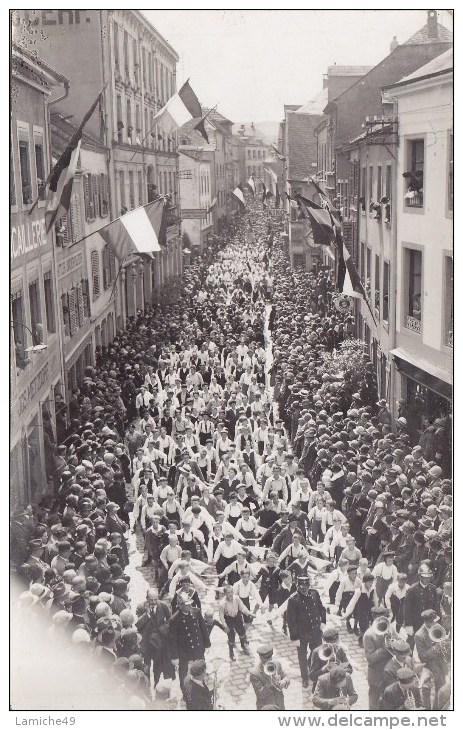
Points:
x=95 y=274
x=103 y=195
x=64 y=229
x=72 y=311
x=112 y=265
x=80 y=305
x=86 y=298
x=87 y=197
x=75 y=218
x=107 y=266
x=96 y=194
x=65 y=313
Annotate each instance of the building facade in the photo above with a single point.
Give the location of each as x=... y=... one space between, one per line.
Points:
x=119 y=50
x=197 y=171
x=36 y=368
x=423 y=350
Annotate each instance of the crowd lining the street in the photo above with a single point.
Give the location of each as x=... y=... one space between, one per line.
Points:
x=277 y=473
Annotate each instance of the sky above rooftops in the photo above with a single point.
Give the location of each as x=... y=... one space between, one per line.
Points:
x=252 y=62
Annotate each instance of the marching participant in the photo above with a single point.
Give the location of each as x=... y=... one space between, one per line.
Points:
x=268 y=679
x=305 y=616
x=328 y=654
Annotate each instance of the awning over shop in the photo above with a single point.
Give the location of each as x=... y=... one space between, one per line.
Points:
x=430 y=376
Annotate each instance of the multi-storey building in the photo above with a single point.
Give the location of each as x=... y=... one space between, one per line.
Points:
x=363 y=101
x=368 y=210
x=120 y=51
x=36 y=365
x=197 y=170
x=422 y=372
x=86 y=266
x=255 y=150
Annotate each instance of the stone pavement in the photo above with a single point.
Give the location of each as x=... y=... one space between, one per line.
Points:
x=235 y=691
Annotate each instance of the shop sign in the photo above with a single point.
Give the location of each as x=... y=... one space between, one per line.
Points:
x=70 y=264
x=27 y=237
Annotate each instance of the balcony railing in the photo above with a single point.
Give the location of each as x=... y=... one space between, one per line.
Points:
x=414 y=199
x=413 y=324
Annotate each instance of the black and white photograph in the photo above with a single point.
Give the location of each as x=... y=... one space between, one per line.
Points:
x=231 y=363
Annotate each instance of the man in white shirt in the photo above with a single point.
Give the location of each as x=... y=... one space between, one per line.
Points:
x=185 y=571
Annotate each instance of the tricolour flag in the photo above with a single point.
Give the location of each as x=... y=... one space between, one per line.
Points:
x=212 y=205
x=61 y=177
x=252 y=186
x=349 y=281
x=238 y=193
x=181 y=108
x=136 y=232
x=321 y=221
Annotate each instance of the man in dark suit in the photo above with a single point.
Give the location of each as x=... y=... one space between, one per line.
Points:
x=335 y=689
x=153 y=625
x=197 y=695
x=420 y=596
x=188 y=635
x=305 y=616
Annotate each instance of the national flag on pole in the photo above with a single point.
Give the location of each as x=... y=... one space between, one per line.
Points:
x=349 y=282
x=277 y=197
x=238 y=193
x=321 y=221
x=136 y=232
x=326 y=201
x=212 y=205
x=181 y=108
x=61 y=177
x=251 y=184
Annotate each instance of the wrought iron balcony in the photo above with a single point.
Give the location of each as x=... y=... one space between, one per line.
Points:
x=414 y=199
x=413 y=324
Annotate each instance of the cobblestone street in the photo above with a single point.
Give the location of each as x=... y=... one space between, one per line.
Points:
x=235 y=691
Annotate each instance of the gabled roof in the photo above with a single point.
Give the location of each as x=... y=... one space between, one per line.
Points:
x=315 y=105
x=62 y=130
x=421 y=36
x=439 y=65
x=301 y=143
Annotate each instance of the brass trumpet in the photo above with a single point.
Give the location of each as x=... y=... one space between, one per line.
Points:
x=271 y=670
x=439 y=636
x=327 y=653
x=382 y=627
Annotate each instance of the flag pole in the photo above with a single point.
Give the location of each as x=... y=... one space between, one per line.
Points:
x=156 y=116
x=51 y=171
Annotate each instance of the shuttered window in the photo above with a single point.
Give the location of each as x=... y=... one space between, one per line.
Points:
x=75 y=218
x=104 y=197
x=80 y=305
x=96 y=194
x=63 y=232
x=95 y=274
x=112 y=264
x=107 y=269
x=73 y=315
x=86 y=298
x=65 y=314
x=89 y=198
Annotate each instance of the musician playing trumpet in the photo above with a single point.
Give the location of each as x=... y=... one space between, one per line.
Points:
x=327 y=655
x=268 y=679
x=433 y=649
x=402 y=694
x=334 y=688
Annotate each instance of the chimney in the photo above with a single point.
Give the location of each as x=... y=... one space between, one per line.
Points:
x=394 y=43
x=432 y=25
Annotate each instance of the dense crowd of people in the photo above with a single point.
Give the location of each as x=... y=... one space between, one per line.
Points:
x=270 y=473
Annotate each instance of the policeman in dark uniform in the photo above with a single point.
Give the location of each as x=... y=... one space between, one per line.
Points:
x=188 y=635
x=421 y=596
x=305 y=616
